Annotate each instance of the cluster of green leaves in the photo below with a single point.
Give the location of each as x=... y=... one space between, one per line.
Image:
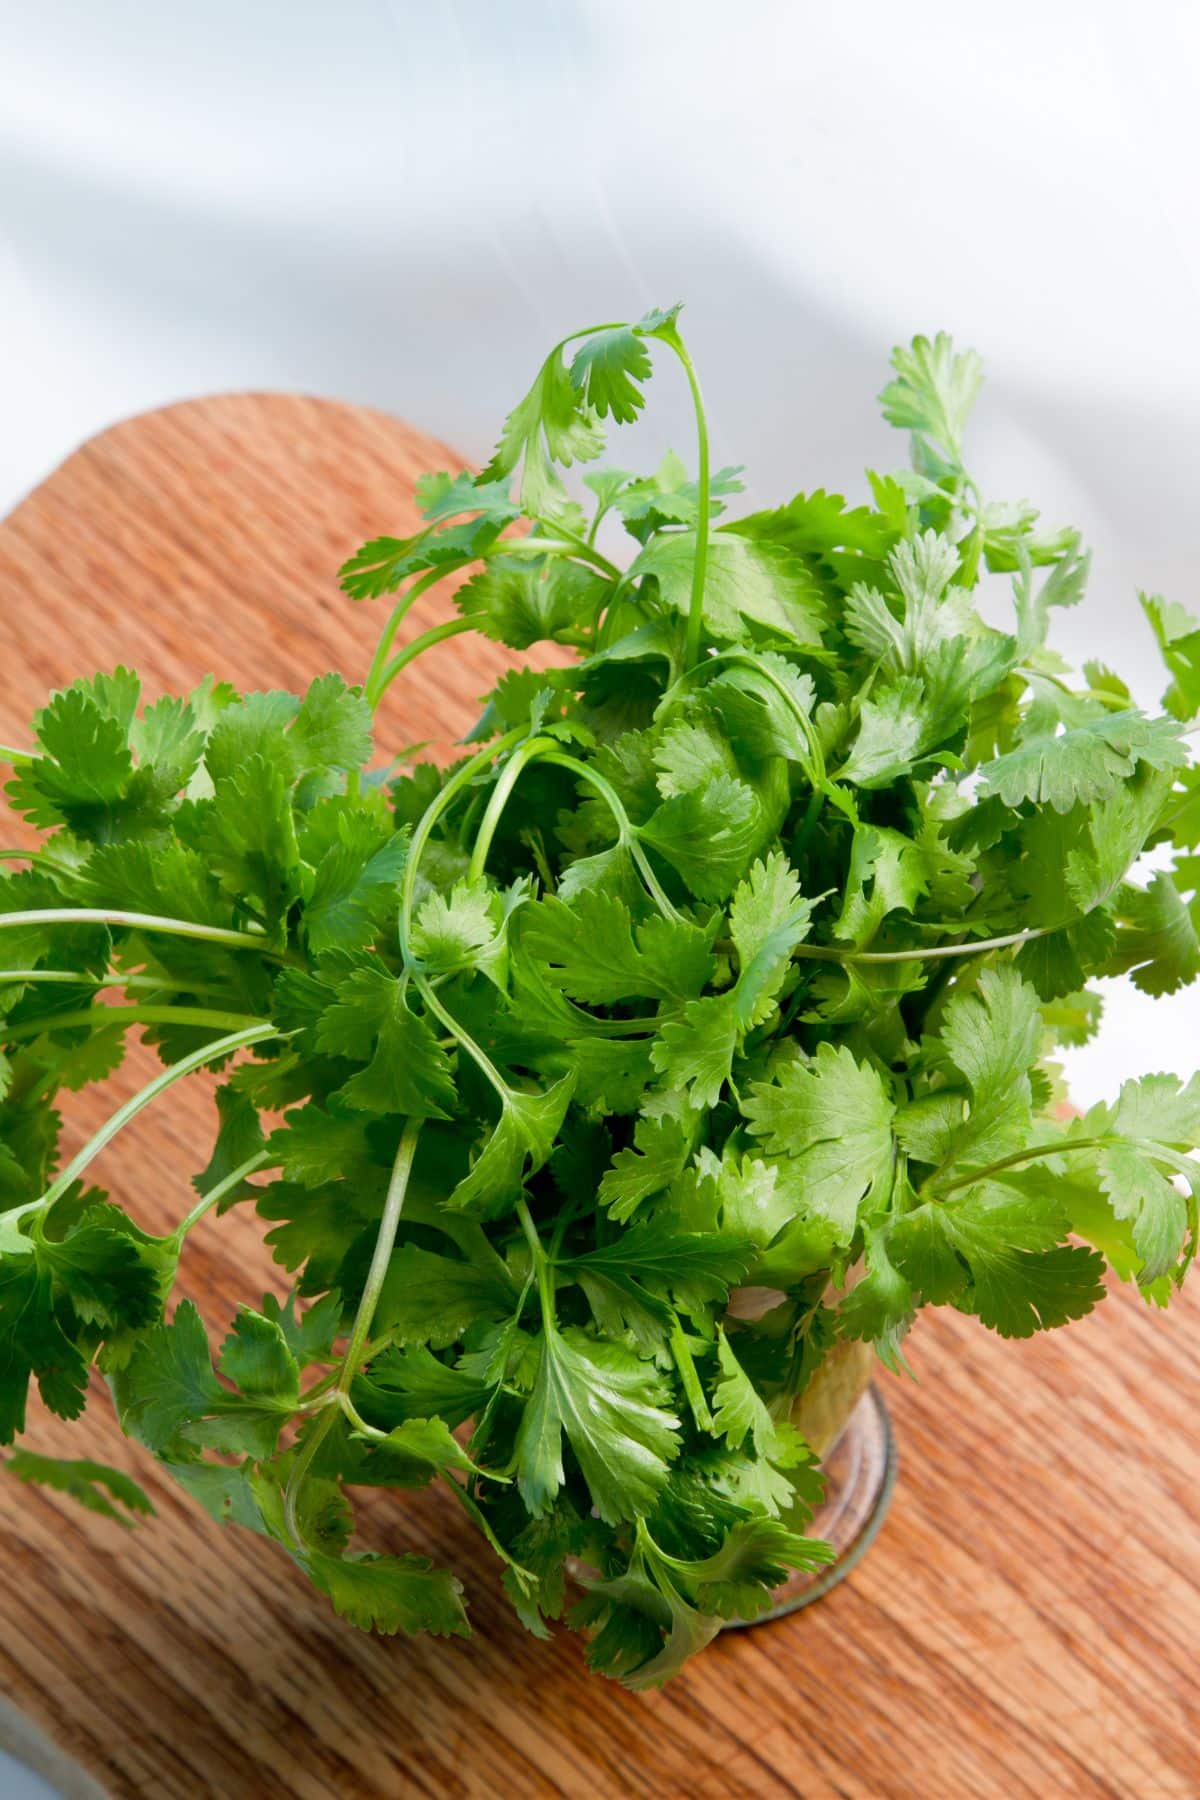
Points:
x=696 y=971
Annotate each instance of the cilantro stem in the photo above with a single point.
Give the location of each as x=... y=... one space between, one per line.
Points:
x=381 y=1256
x=100 y=1016
x=436 y=634
x=1114 y=702
x=224 y=1046
x=1020 y=1156
x=355 y=1418
x=689 y=1379
x=822 y=952
x=396 y=618
x=305 y=1457
x=695 y=622
x=478 y=1518
x=462 y=1037
x=815 y=770
x=578 y=547
x=381 y=673
x=19 y=759
x=429 y=818
x=218 y=1191
x=103 y=915
x=541 y=1263
x=498 y=800
x=115 y=978
x=812 y=813
x=626 y=834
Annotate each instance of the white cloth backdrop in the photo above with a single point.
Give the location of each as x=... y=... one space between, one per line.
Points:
x=405 y=204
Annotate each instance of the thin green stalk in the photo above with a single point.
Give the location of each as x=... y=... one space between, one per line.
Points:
x=18 y=759
x=429 y=818
x=541 y=1264
x=625 y=831
x=436 y=634
x=224 y=1046
x=812 y=813
x=217 y=1193
x=509 y=775
x=565 y=542
x=1113 y=702
x=356 y=1419
x=114 y=979
x=381 y=1256
x=695 y=622
x=100 y=1016
x=689 y=1378
x=136 y=921
x=1011 y=1162
x=461 y=1036
x=396 y=618
x=304 y=1461
x=822 y=953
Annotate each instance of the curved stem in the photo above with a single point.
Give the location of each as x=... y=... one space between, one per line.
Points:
x=822 y=953
x=115 y=978
x=498 y=800
x=460 y=779
x=396 y=619
x=136 y=921
x=385 y=1242
x=695 y=622
x=100 y=1016
x=300 y=1468
x=461 y=1036
x=541 y=1264
x=625 y=831
x=808 y=824
x=224 y=1046
x=436 y=634
x=217 y=1193
x=578 y=546
x=1019 y=1156
x=817 y=773
x=356 y=1419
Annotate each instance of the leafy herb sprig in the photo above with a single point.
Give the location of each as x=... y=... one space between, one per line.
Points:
x=734 y=952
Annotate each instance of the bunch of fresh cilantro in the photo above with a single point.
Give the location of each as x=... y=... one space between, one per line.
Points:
x=732 y=953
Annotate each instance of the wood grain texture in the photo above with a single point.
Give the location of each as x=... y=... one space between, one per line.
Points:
x=1026 y=1623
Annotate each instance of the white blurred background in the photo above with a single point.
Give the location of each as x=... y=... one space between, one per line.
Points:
x=406 y=204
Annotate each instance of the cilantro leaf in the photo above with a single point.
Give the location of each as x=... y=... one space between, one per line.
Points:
x=747 y=583
x=109 y=1492
x=831 y=1118
x=432 y=1299
x=660 y=1150
x=1158 y=937
x=992 y=1038
x=594 y=953
x=709 y=834
x=390 y=1593
x=1019 y=1277
x=1178 y=638
x=933 y=392
x=1087 y=762
x=523 y=1136
x=610 y=1407
x=168 y=1382
x=371 y=1021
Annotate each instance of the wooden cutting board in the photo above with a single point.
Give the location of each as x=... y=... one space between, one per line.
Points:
x=1027 y=1622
